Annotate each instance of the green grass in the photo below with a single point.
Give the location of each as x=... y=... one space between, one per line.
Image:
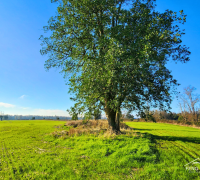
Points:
x=28 y=150
x=176 y=146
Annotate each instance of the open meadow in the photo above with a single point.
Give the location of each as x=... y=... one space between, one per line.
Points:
x=42 y=149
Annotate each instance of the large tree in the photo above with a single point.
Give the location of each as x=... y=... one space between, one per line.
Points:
x=114 y=53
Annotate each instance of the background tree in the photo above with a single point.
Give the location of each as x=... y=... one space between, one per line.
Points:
x=73 y=112
x=129 y=115
x=87 y=116
x=97 y=114
x=123 y=113
x=191 y=99
x=94 y=112
x=188 y=102
x=91 y=112
x=115 y=57
x=75 y=117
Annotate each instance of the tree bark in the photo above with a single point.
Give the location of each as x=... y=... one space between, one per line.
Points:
x=111 y=116
x=117 y=121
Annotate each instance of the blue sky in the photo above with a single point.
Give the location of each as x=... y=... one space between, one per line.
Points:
x=27 y=88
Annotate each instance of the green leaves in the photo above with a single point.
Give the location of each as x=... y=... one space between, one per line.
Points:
x=181 y=12
x=113 y=55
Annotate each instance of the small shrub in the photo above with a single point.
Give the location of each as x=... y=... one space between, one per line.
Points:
x=180 y=118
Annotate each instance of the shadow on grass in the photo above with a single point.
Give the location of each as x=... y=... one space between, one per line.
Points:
x=155 y=140
x=143 y=129
x=170 y=138
x=197 y=131
x=176 y=138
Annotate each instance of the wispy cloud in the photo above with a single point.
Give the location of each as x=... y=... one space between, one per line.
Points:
x=6 y=105
x=50 y=112
x=22 y=97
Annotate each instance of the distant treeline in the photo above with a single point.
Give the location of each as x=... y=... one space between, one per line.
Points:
x=32 y=117
x=189 y=106
x=185 y=117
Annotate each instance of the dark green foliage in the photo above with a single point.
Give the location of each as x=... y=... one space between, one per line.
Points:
x=73 y=112
x=75 y=117
x=115 y=58
x=97 y=114
x=180 y=118
x=87 y=116
x=93 y=113
x=174 y=116
x=148 y=117
x=164 y=115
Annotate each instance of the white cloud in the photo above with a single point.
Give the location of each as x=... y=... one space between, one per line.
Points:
x=22 y=97
x=50 y=112
x=6 y=105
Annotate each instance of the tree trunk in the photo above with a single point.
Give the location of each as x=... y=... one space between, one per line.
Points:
x=111 y=116
x=117 y=121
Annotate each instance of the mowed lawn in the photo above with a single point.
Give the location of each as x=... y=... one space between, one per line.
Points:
x=29 y=150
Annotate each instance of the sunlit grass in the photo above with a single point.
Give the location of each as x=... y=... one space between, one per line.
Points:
x=31 y=150
x=176 y=146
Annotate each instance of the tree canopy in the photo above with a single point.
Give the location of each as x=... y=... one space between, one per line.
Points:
x=114 y=53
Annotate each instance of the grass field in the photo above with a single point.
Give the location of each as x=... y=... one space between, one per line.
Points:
x=28 y=150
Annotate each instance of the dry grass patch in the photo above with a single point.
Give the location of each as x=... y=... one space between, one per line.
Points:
x=96 y=127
